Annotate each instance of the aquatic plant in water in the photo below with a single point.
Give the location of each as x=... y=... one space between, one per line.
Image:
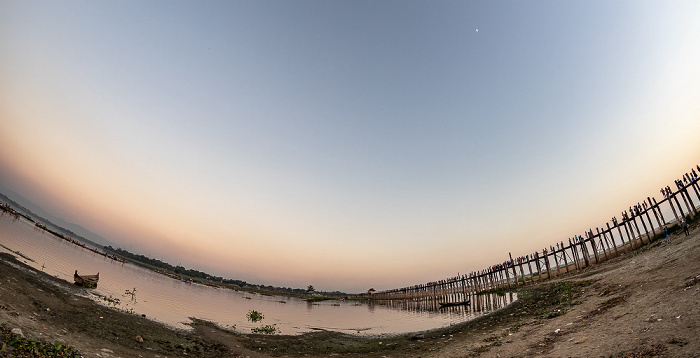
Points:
x=266 y=329
x=113 y=301
x=255 y=316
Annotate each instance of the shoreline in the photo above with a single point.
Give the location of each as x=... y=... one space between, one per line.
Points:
x=643 y=303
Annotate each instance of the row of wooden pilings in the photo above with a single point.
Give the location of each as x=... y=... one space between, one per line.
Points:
x=580 y=251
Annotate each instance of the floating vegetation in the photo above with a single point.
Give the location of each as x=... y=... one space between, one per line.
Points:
x=254 y=316
x=266 y=329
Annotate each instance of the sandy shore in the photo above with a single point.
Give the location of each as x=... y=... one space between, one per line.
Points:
x=643 y=304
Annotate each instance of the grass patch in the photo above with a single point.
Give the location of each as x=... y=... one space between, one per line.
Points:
x=22 y=347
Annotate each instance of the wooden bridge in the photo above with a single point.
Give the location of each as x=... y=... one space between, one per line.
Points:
x=640 y=225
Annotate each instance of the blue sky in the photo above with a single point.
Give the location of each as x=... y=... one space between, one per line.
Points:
x=345 y=144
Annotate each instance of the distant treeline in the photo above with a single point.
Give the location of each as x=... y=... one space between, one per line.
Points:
x=57 y=230
x=203 y=276
x=178 y=270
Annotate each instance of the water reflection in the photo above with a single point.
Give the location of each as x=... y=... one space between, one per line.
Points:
x=173 y=301
x=479 y=305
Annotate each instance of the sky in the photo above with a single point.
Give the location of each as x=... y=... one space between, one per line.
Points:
x=345 y=144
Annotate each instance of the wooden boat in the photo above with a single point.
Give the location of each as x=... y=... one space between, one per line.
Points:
x=86 y=280
x=451 y=304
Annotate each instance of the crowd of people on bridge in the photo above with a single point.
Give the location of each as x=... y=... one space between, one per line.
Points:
x=634 y=211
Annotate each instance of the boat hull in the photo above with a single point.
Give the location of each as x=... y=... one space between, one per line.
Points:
x=452 y=304
x=86 y=280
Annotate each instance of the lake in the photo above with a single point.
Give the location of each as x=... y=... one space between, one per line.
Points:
x=172 y=301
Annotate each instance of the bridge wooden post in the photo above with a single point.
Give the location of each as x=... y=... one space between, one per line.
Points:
x=576 y=247
x=603 y=244
x=529 y=266
x=690 y=200
x=658 y=208
x=694 y=185
x=627 y=231
x=641 y=218
x=670 y=202
x=479 y=282
x=682 y=191
x=539 y=268
x=453 y=290
x=634 y=237
x=563 y=252
x=505 y=270
x=448 y=290
x=574 y=258
x=512 y=265
x=653 y=209
x=482 y=281
x=651 y=224
x=612 y=238
x=639 y=233
x=546 y=262
x=522 y=272
x=584 y=251
x=619 y=231
x=591 y=238
x=680 y=208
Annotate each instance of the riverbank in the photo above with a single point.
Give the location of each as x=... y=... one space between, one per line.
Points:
x=643 y=304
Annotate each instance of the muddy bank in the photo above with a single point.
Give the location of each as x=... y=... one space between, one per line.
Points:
x=642 y=304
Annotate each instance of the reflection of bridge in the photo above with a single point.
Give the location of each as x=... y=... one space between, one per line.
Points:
x=479 y=305
x=579 y=253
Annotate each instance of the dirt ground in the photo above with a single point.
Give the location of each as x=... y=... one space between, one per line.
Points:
x=642 y=304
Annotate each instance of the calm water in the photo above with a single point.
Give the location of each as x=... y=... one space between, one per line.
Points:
x=173 y=302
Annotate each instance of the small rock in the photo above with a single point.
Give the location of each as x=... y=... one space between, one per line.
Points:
x=139 y=339
x=417 y=337
x=18 y=332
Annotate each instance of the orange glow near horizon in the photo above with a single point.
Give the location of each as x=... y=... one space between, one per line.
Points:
x=395 y=156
